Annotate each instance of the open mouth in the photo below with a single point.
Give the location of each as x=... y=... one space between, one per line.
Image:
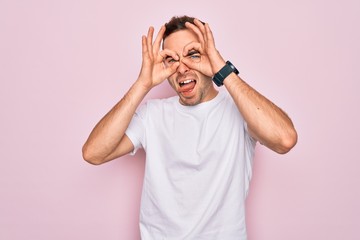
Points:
x=187 y=86
x=187 y=82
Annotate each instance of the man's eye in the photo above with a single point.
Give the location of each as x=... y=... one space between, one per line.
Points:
x=194 y=56
x=169 y=61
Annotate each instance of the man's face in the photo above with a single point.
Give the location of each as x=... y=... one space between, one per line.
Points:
x=192 y=86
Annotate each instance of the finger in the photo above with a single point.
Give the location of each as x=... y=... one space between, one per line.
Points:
x=192 y=46
x=201 y=26
x=149 y=39
x=144 y=46
x=172 y=69
x=203 y=66
x=169 y=70
x=209 y=35
x=191 y=64
x=158 y=39
x=196 y=30
x=168 y=53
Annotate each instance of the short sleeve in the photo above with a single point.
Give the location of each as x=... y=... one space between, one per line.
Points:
x=249 y=139
x=136 y=128
x=249 y=149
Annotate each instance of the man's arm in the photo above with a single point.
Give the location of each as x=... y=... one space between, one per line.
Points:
x=108 y=140
x=266 y=122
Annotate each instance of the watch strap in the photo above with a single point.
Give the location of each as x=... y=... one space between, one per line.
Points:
x=225 y=71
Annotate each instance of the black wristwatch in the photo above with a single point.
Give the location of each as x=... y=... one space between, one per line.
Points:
x=223 y=73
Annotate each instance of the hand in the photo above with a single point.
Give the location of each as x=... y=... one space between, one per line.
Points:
x=153 y=71
x=211 y=60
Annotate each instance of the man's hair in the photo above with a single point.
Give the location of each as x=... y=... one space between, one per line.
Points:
x=177 y=23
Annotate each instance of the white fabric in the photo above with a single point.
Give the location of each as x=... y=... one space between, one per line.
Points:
x=198 y=168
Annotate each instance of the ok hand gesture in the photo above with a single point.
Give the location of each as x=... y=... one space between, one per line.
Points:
x=211 y=60
x=153 y=71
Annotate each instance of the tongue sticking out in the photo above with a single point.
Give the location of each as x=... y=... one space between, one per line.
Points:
x=187 y=87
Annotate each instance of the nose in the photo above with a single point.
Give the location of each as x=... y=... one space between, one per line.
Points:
x=183 y=68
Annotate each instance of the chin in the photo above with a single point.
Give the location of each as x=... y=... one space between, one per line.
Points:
x=189 y=102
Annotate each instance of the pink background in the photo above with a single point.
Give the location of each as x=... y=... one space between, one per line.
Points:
x=64 y=64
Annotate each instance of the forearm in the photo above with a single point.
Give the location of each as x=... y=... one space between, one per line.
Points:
x=266 y=122
x=108 y=133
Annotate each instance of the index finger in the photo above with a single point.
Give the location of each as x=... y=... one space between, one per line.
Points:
x=158 y=39
x=192 y=46
x=196 y=30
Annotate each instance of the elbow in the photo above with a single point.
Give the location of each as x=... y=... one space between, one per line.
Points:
x=90 y=157
x=287 y=142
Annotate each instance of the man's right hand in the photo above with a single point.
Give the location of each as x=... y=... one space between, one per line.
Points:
x=153 y=71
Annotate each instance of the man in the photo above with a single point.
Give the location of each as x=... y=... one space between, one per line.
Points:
x=199 y=144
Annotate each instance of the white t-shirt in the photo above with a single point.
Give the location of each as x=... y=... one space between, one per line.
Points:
x=198 y=168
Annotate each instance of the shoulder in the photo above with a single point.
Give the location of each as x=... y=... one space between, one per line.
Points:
x=225 y=95
x=226 y=100
x=155 y=105
x=160 y=103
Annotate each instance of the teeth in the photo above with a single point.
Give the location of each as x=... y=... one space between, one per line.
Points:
x=185 y=82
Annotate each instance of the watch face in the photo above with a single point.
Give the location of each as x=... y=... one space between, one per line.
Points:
x=233 y=67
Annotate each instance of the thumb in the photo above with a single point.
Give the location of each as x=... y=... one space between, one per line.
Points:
x=172 y=69
x=191 y=64
x=203 y=66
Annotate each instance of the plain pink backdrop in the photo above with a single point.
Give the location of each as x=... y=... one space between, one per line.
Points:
x=64 y=64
